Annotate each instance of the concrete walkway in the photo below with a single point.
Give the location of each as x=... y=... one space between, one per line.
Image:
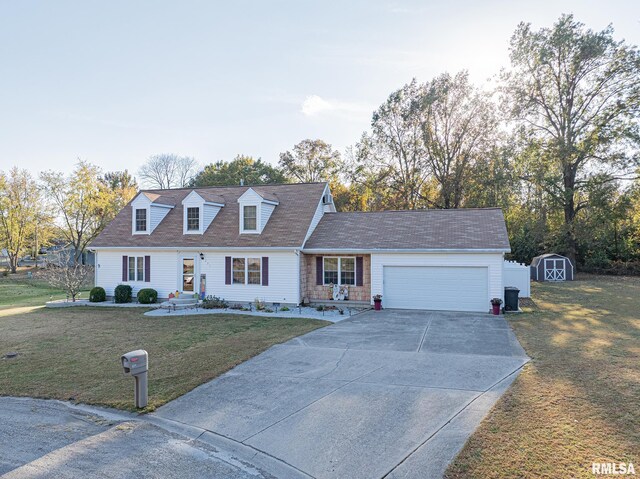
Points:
x=383 y=394
x=390 y=394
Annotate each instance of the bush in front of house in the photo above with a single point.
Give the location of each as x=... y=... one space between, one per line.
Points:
x=122 y=293
x=147 y=296
x=97 y=295
x=213 y=302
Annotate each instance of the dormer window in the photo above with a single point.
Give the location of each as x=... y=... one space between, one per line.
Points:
x=193 y=219
x=250 y=215
x=141 y=220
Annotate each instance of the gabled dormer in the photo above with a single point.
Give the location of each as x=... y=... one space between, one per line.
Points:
x=147 y=211
x=199 y=210
x=256 y=207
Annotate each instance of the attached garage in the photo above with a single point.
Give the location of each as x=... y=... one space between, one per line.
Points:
x=442 y=288
x=444 y=260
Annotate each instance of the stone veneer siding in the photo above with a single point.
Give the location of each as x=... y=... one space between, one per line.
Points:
x=312 y=292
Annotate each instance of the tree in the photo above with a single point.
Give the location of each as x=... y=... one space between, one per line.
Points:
x=123 y=186
x=167 y=171
x=68 y=274
x=459 y=131
x=311 y=161
x=20 y=207
x=242 y=169
x=576 y=95
x=84 y=202
x=392 y=160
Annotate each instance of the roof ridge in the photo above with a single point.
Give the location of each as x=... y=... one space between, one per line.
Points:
x=422 y=210
x=156 y=190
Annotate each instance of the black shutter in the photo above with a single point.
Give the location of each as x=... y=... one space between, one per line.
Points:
x=147 y=269
x=125 y=268
x=319 y=271
x=359 y=271
x=227 y=270
x=265 y=271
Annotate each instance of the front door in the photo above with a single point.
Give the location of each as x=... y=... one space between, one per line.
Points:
x=188 y=278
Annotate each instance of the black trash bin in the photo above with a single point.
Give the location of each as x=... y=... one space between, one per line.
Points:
x=511 y=298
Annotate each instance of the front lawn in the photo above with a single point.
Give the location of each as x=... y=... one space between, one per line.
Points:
x=74 y=353
x=578 y=400
x=20 y=290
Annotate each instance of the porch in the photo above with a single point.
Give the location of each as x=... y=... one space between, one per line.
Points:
x=320 y=272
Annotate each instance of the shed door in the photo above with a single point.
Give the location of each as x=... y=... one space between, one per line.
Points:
x=443 y=288
x=554 y=269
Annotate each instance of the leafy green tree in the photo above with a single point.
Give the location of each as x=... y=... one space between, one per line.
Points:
x=123 y=186
x=392 y=160
x=84 y=203
x=459 y=131
x=242 y=169
x=575 y=94
x=311 y=161
x=20 y=208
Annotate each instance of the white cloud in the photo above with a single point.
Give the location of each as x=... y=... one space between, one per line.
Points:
x=314 y=105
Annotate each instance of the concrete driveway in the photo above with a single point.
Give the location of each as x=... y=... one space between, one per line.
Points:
x=383 y=394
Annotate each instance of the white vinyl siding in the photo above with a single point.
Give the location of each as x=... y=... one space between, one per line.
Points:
x=265 y=213
x=284 y=277
x=164 y=270
x=157 y=215
x=492 y=263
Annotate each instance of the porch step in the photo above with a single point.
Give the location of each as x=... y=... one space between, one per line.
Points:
x=181 y=300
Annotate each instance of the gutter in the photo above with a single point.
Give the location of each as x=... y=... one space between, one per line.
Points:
x=197 y=248
x=405 y=250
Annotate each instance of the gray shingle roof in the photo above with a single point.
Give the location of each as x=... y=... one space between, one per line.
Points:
x=287 y=226
x=417 y=229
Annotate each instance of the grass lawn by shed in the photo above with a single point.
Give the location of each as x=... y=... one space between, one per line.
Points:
x=578 y=400
x=74 y=353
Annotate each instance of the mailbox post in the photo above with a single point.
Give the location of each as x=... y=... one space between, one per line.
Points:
x=136 y=364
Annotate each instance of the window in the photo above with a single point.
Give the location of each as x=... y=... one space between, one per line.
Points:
x=141 y=219
x=246 y=271
x=253 y=270
x=238 y=270
x=250 y=218
x=193 y=219
x=188 y=271
x=348 y=271
x=331 y=271
x=136 y=268
x=342 y=269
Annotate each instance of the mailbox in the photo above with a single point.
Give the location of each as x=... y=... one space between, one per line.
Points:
x=136 y=364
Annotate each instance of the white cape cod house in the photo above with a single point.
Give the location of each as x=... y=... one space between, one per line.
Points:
x=287 y=244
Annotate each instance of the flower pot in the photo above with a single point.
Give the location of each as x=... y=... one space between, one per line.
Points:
x=377 y=304
x=496 y=309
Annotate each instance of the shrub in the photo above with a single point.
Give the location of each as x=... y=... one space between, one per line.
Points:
x=237 y=306
x=213 y=302
x=122 y=293
x=320 y=308
x=147 y=296
x=97 y=295
x=285 y=308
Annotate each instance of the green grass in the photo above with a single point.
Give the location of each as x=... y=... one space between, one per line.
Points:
x=18 y=290
x=74 y=353
x=578 y=400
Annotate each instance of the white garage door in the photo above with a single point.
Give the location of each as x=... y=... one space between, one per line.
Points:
x=435 y=287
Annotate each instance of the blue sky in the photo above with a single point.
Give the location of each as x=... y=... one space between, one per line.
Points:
x=115 y=82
